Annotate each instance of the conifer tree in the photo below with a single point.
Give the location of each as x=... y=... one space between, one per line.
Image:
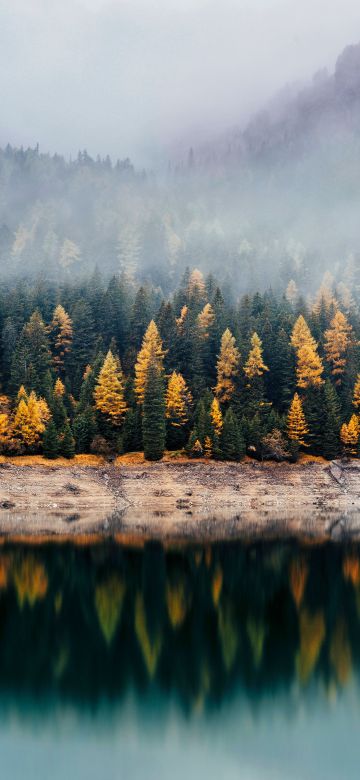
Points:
x=337 y=342
x=59 y=388
x=153 y=424
x=109 y=391
x=61 y=335
x=178 y=402
x=301 y=334
x=296 y=423
x=331 y=422
x=349 y=435
x=216 y=417
x=356 y=395
x=50 y=441
x=309 y=367
x=84 y=430
x=31 y=359
x=67 y=443
x=255 y=366
x=231 y=442
x=151 y=354
x=227 y=367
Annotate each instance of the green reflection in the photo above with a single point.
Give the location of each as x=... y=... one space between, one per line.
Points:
x=84 y=623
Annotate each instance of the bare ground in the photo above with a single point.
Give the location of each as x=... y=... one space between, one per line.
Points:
x=180 y=501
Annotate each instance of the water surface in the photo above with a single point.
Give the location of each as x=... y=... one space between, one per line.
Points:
x=226 y=661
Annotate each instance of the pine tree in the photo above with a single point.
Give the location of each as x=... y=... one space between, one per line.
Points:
x=31 y=359
x=151 y=354
x=227 y=367
x=331 y=422
x=231 y=442
x=296 y=423
x=337 y=342
x=61 y=335
x=50 y=441
x=67 y=443
x=109 y=391
x=84 y=430
x=153 y=424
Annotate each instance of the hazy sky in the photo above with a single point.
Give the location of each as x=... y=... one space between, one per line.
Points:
x=126 y=77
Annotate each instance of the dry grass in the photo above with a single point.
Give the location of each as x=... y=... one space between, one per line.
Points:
x=39 y=460
x=135 y=459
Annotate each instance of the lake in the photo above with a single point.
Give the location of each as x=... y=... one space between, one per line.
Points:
x=227 y=661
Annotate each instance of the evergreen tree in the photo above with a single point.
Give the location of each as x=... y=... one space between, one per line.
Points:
x=51 y=441
x=31 y=360
x=153 y=424
x=84 y=428
x=67 y=443
x=232 y=445
x=331 y=422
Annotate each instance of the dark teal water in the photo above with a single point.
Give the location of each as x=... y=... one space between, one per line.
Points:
x=231 y=661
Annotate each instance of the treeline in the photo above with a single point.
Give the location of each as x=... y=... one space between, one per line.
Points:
x=108 y=368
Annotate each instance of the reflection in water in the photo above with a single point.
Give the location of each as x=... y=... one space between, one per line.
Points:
x=228 y=629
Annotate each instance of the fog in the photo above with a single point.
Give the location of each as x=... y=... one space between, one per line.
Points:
x=138 y=77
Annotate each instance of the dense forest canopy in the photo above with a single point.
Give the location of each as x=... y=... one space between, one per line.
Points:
x=112 y=367
x=259 y=207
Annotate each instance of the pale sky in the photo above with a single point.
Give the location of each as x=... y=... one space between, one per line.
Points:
x=130 y=77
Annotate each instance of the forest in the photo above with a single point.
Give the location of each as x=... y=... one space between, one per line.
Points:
x=111 y=368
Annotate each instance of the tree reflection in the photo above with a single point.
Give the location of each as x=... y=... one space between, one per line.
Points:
x=201 y=623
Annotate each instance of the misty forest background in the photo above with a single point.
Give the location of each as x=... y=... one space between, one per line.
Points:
x=269 y=217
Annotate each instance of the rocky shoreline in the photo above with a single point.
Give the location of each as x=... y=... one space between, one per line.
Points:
x=179 y=502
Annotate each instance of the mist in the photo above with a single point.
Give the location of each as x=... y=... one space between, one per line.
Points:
x=145 y=77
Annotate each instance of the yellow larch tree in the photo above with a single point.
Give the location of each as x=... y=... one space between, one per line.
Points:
x=61 y=334
x=301 y=334
x=338 y=338
x=205 y=320
x=29 y=421
x=309 y=367
x=356 y=395
x=109 y=391
x=255 y=366
x=196 y=286
x=227 y=367
x=216 y=417
x=296 y=423
x=151 y=354
x=178 y=400
x=59 y=388
x=350 y=433
x=181 y=320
